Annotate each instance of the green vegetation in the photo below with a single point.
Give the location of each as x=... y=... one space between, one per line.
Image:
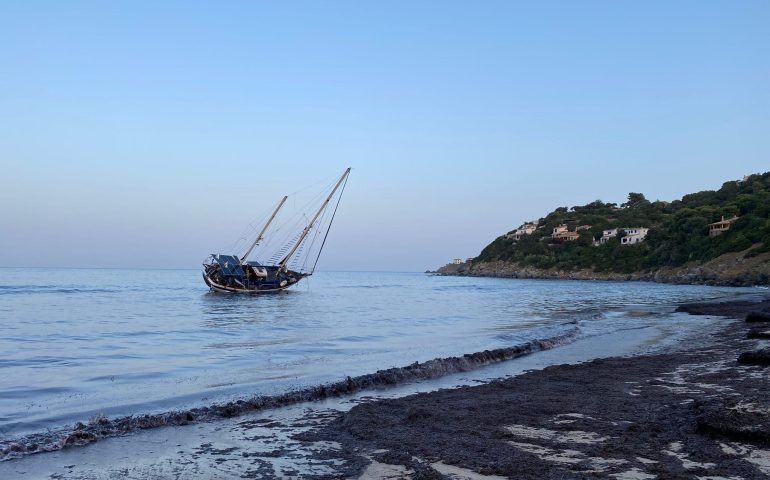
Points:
x=678 y=231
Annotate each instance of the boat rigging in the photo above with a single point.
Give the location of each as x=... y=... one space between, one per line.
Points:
x=236 y=274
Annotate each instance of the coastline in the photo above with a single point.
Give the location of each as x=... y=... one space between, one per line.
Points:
x=736 y=269
x=304 y=440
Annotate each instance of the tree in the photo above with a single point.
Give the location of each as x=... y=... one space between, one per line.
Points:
x=636 y=200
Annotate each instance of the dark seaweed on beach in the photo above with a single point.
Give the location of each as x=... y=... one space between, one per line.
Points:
x=658 y=415
x=740 y=421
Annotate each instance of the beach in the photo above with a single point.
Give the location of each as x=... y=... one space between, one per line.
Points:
x=692 y=412
x=657 y=403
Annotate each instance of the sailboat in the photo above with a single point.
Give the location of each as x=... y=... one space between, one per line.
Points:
x=237 y=274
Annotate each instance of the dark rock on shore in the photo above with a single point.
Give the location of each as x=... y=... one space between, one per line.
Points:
x=758 y=334
x=730 y=309
x=757 y=357
x=755 y=317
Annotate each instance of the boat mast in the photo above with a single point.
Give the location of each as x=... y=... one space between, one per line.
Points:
x=309 y=227
x=264 y=229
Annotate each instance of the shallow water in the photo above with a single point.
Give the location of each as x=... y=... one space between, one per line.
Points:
x=79 y=343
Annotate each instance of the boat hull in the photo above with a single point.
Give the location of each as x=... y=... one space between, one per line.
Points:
x=219 y=288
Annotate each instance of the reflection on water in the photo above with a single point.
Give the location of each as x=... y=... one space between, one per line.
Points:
x=77 y=343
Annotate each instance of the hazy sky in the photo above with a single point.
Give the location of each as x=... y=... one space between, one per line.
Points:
x=148 y=133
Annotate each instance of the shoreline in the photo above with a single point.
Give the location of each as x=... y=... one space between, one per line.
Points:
x=101 y=427
x=590 y=276
x=273 y=439
x=692 y=412
x=734 y=269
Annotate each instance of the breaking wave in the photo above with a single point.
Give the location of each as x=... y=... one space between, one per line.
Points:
x=103 y=427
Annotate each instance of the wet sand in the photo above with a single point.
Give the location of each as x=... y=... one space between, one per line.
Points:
x=691 y=412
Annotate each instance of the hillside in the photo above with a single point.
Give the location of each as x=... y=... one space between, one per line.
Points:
x=662 y=237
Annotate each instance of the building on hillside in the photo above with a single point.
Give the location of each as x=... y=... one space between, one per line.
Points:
x=634 y=235
x=457 y=261
x=606 y=235
x=559 y=230
x=525 y=229
x=562 y=234
x=582 y=227
x=717 y=228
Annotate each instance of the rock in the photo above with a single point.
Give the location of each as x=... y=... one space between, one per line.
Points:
x=754 y=317
x=759 y=357
x=759 y=333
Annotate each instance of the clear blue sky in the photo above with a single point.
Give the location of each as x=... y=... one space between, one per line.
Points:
x=148 y=133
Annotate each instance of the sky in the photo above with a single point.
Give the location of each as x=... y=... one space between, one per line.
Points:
x=148 y=134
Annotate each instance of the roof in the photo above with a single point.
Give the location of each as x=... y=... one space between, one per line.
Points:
x=230 y=265
x=723 y=221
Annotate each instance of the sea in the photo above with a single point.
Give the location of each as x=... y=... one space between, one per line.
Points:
x=82 y=344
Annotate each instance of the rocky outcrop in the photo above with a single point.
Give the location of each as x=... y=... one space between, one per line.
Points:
x=459 y=269
x=730 y=269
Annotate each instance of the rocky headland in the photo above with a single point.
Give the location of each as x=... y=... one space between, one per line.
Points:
x=712 y=237
x=731 y=269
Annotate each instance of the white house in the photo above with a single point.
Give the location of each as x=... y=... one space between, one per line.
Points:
x=634 y=235
x=525 y=229
x=607 y=234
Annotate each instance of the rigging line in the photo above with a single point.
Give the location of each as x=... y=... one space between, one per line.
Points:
x=284 y=234
x=294 y=218
x=300 y=219
x=308 y=248
x=312 y=185
x=330 y=224
x=253 y=225
x=316 y=234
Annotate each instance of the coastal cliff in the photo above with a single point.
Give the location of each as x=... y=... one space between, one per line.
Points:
x=719 y=237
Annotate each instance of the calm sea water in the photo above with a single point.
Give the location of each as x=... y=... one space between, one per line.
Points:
x=78 y=343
